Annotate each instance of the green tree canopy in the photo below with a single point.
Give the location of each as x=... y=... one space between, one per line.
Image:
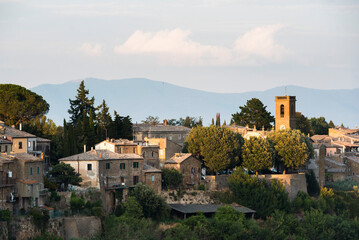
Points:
x=257 y=154
x=171 y=177
x=153 y=206
x=218 y=147
x=253 y=113
x=18 y=104
x=292 y=148
x=81 y=105
x=104 y=119
x=151 y=120
x=64 y=173
x=319 y=125
x=303 y=124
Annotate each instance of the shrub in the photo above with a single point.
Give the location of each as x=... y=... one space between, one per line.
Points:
x=153 y=206
x=39 y=217
x=97 y=211
x=54 y=196
x=255 y=193
x=171 y=177
x=5 y=215
x=313 y=188
x=46 y=236
x=201 y=187
x=345 y=185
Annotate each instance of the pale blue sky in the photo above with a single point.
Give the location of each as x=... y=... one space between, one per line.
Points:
x=213 y=45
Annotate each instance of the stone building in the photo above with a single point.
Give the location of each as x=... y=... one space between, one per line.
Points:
x=106 y=167
x=175 y=134
x=17 y=141
x=189 y=166
x=152 y=177
x=147 y=151
x=25 y=173
x=167 y=148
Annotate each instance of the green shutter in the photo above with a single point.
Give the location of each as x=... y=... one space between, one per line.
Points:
x=31 y=171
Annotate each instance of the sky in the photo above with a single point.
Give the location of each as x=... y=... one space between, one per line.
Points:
x=212 y=45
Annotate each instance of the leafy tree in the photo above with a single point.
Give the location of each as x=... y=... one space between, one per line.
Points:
x=218 y=119
x=18 y=104
x=253 y=113
x=133 y=208
x=313 y=187
x=171 y=177
x=82 y=116
x=151 y=120
x=153 y=206
x=104 y=119
x=320 y=126
x=291 y=148
x=255 y=193
x=218 y=147
x=257 y=154
x=331 y=124
x=81 y=105
x=303 y=124
x=64 y=173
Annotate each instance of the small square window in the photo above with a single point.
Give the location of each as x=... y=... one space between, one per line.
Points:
x=107 y=165
x=135 y=164
x=89 y=167
x=122 y=166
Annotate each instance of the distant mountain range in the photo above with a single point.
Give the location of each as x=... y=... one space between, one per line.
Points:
x=139 y=98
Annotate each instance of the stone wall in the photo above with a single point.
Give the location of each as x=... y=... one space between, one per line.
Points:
x=3 y=231
x=217 y=182
x=67 y=228
x=190 y=197
x=293 y=183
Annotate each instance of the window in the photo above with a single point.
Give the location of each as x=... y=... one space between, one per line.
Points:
x=135 y=180
x=152 y=154
x=122 y=166
x=107 y=165
x=34 y=145
x=135 y=164
x=29 y=144
x=5 y=148
x=153 y=178
x=89 y=167
x=38 y=170
x=134 y=150
x=20 y=145
x=30 y=170
x=282 y=110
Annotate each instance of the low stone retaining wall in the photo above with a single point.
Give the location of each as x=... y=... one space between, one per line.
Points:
x=293 y=183
x=67 y=228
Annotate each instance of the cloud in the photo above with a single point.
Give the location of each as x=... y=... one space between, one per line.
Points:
x=259 y=42
x=174 y=47
x=91 y=49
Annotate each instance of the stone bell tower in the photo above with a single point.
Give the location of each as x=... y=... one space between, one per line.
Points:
x=285 y=112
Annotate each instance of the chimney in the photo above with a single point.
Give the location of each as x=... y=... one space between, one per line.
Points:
x=84 y=148
x=165 y=122
x=91 y=148
x=20 y=127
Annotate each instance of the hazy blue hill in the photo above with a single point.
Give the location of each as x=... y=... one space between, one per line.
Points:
x=140 y=97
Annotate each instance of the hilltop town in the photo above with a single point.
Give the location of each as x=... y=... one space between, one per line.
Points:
x=102 y=177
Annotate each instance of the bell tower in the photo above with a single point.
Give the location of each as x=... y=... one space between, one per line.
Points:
x=285 y=112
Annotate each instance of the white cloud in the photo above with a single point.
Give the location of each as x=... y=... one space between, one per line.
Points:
x=259 y=42
x=174 y=47
x=91 y=49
